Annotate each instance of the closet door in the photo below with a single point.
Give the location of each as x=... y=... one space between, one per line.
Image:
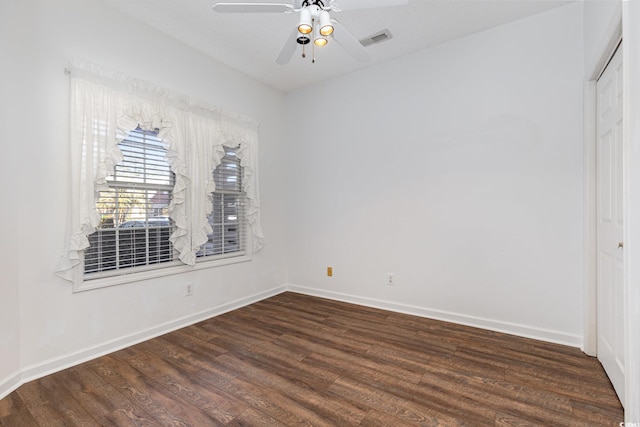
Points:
x=610 y=287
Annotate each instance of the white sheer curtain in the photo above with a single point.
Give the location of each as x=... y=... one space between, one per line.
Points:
x=105 y=107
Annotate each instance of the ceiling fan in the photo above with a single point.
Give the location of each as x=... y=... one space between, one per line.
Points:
x=315 y=23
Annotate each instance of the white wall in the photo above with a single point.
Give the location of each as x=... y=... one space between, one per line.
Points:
x=9 y=290
x=57 y=327
x=459 y=169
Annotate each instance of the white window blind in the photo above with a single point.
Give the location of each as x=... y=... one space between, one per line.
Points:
x=135 y=227
x=227 y=217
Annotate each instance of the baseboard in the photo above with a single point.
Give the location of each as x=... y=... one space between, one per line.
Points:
x=54 y=365
x=478 y=322
x=9 y=384
x=27 y=374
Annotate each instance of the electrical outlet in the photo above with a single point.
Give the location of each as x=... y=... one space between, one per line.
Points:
x=390 y=280
x=188 y=289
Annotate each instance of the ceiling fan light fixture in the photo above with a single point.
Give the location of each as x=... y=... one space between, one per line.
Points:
x=318 y=39
x=305 y=26
x=326 y=28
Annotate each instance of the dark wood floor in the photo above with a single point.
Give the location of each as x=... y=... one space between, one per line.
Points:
x=299 y=360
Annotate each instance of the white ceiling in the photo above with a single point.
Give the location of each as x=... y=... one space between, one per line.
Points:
x=251 y=42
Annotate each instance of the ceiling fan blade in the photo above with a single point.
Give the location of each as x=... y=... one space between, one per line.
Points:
x=252 y=7
x=343 y=5
x=348 y=41
x=288 y=49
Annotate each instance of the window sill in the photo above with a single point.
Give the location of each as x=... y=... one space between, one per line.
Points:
x=129 y=277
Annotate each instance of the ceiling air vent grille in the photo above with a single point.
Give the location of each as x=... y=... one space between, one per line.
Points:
x=378 y=37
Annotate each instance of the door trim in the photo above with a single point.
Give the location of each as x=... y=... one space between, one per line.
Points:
x=607 y=48
x=631 y=129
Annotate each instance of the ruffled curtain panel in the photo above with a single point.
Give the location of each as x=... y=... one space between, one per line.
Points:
x=106 y=106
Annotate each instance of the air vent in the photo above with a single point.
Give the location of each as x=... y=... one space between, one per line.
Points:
x=378 y=37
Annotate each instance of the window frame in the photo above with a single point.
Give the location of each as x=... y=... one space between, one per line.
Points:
x=196 y=131
x=143 y=169
x=176 y=268
x=153 y=271
x=243 y=225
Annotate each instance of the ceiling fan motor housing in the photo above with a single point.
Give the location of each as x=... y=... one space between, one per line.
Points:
x=318 y=3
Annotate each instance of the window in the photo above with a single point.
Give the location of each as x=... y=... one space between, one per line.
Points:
x=227 y=218
x=141 y=202
x=134 y=225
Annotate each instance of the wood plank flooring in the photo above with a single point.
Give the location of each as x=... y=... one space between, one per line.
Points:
x=296 y=360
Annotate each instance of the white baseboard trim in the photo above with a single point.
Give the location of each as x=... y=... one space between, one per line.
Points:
x=478 y=322
x=54 y=365
x=9 y=384
x=12 y=382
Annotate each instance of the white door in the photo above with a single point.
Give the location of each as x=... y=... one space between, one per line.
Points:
x=610 y=292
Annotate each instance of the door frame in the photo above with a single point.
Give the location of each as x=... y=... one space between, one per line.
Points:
x=631 y=129
x=618 y=29
x=608 y=46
